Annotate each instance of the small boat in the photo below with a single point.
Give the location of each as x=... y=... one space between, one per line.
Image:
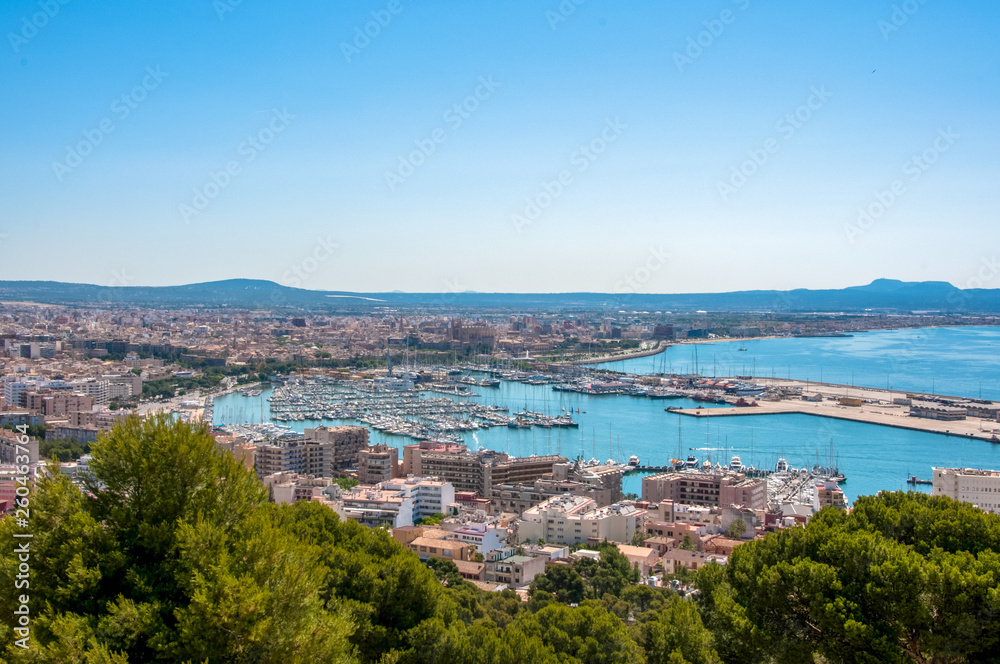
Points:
x=736 y=464
x=633 y=461
x=742 y=349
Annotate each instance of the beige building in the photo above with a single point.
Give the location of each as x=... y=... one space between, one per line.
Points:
x=720 y=488
x=640 y=557
x=577 y=519
x=514 y=571
x=474 y=472
x=426 y=547
x=51 y=403
x=286 y=488
x=516 y=498
x=378 y=463
x=828 y=494
x=345 y=442
x=979 y=487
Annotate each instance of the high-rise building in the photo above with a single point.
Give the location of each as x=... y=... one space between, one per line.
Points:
x=378 y=463
x=344 y=444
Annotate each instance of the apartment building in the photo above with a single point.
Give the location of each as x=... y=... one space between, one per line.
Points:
x=97 y=388
x=286 y=488
x=607 y=477
x=576 y=519
x=829 y=494
x=81 y=434
x=516 y=498
x=969 y=485
x=13 y=446
x=513 y=570
x=345 y=442
x=721 y=488
x=397 y=503
x=378 y=463
x=484 y=536
x=448 y=549
x=52 y=403
x=476 y=472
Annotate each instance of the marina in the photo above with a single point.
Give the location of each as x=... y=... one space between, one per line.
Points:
x=619 y=420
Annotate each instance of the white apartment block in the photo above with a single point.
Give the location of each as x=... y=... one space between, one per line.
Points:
x=572 y=519
x=99 y=389
x=397 y=503
x=979 y=487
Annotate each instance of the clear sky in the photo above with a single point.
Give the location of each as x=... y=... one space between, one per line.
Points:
x=501 y=145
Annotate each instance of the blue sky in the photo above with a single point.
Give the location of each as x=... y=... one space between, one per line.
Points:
x=601 y=146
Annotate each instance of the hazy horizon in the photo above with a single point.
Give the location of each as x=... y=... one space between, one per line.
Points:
x=471 y=291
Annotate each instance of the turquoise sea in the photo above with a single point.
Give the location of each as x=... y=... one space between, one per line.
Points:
x=872 y=457
x=956 y=361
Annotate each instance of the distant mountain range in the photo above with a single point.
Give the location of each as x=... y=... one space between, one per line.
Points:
x=880 y=295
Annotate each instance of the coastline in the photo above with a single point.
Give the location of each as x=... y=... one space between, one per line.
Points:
x=604 y=359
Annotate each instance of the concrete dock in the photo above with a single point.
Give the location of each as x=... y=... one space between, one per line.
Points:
x=882 y=414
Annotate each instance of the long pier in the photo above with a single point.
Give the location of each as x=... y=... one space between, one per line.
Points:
x=882 y=415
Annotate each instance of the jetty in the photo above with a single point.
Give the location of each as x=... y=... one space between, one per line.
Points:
x=874 y=412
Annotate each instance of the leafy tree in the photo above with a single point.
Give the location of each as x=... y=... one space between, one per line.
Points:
x=345 y=482
x=903 y=577
x=432 y=520
x=675 y=634
x=561 y=581
x=175 y=557
x=736 y=529
x=589 y=633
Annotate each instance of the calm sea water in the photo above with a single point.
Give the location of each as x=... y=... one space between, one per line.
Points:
x=957 y=361
x=872 y=457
